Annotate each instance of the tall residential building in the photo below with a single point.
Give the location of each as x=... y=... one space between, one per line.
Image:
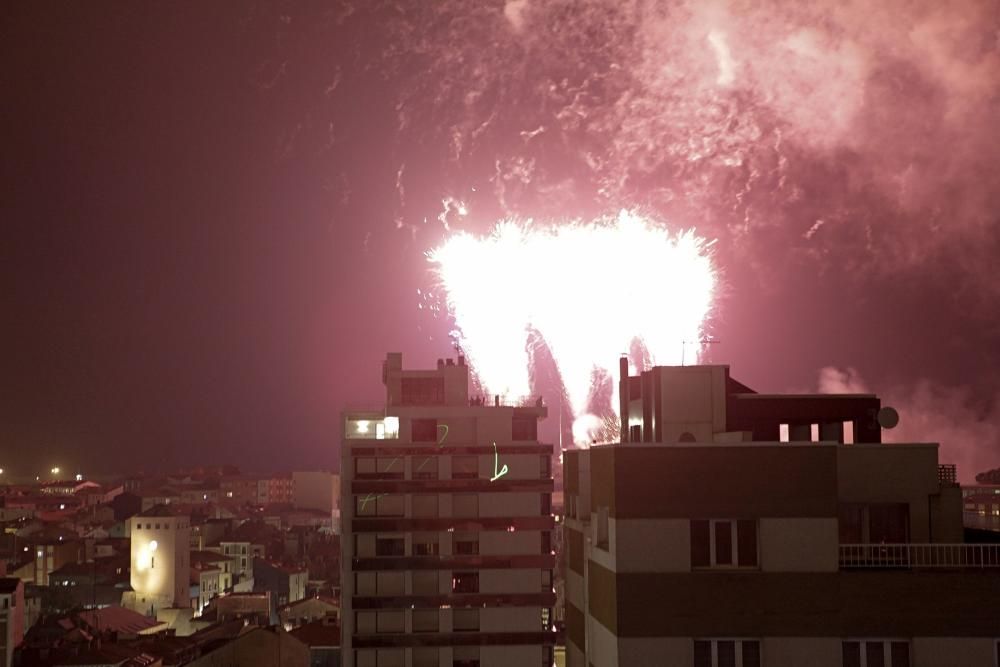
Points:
x=734 y=528
x=446 y=508
x=12 y=618
x=160 y=561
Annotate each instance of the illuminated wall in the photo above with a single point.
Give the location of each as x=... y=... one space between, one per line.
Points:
x=160 y=560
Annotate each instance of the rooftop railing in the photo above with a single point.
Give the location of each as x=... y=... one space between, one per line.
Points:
x=947 y=474
x=903 y=556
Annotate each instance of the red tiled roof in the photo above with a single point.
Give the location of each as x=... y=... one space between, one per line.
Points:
x=118 y=619
x=318 y=634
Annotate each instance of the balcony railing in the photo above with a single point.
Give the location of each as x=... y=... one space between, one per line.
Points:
x=903 y=556
x=947 y=474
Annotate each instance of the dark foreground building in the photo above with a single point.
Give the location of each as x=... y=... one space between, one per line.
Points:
x=731 y=528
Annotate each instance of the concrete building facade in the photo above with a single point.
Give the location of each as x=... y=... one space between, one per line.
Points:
x=446 y=506
x=734 y=528
x=160 y=561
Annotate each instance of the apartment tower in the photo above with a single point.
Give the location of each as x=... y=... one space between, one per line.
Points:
x=446 y=509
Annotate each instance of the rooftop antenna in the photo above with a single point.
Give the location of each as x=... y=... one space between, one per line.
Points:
x=707 y=340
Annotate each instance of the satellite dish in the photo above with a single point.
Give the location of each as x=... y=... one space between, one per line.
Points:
x=887 y=417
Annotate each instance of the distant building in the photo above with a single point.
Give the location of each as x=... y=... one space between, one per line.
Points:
x=446 y=508
x=160 y=561
x=285 y=582
x=307 y=610
x=274 y=490
x=211 y=576
x=729 y=527
x=316 y=490
x=11 y=618
x=323 y=639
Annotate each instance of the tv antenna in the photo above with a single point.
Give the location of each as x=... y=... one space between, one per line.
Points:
x=707 y=340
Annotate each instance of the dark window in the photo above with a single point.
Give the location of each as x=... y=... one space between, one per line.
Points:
x=723 y=543
x=425 y=544
x=700 y=549
x=546 y=542
x=546 y=467
x=851 y=654
x=874 y=654
x=702 y=653
x=546 y=504
x=425 y=467
x=746 y=542
x=890 y=523
x=524 y=428
x=900 y=652
x=851 y=523
x=635 y=433
x=751 y=654
x=422 y=391
x=464 y=467
x=726 y=650
x=465 y=582
x=390 y=546
x=465 y=620
x=467 y=545
x=423 y=430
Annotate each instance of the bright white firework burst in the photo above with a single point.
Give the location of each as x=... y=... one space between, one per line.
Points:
x=589 y=290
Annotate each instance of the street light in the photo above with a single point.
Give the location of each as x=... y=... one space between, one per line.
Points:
x=55 y=471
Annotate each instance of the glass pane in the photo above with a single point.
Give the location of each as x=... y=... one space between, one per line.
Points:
x=727 y=653
x=746 y=542
x=852 y=654
x=702 y=653
x=874 y=654
x=723 y=543
x=900 y=654
x=751 y=653
x=700 y=553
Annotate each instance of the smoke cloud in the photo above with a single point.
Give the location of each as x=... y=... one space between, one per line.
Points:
x=929 y=412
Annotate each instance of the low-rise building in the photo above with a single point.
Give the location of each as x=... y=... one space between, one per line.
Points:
x=286 y=582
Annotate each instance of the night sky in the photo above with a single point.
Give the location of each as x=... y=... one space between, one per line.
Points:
x=215 y=215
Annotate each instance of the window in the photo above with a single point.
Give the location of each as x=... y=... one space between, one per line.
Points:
x=390 y=621
x=465 y=467
x=545 y=469
x=726 y=653
x=425 y=505
x=602 y=528
x=546 y=541
x=465 y=582
x=423 y=430
x=876 y=653
x=390 y=505
x=465 y=620
x=524 y=427
x=422 y=391
x=466 y=544
x=426 y=620
x=724 y=543
x=465 y=505
x=425 y=582
x=546 y=504
x=425 y=467
x=465 y=656
x=874 y=523
x=426 y=656
x=390 y=546
x=425 y=544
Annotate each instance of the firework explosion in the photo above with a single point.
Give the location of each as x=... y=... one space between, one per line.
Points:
x=626 y=282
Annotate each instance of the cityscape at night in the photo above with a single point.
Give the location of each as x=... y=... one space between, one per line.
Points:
x=489 y=333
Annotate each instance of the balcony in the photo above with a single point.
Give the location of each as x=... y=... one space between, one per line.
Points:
x=908 y=556
x=947 y=475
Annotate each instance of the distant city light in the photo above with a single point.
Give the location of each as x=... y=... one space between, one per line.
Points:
x=55 y=471
x=79 y=477
x=362 y=426
x=62 y=506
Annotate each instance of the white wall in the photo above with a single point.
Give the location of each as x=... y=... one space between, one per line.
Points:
x=652 y=545
x=801 y=651
x=952 y=652
x=799 y=545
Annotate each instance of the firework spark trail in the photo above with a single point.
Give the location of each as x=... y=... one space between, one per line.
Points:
x=659 y=293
